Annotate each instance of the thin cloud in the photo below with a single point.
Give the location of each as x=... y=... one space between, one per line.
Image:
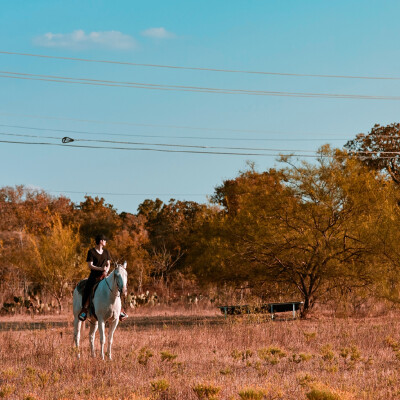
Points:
x=158 y=33
x=80 y=40
x=33 y=188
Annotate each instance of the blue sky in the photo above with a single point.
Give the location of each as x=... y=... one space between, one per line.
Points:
x=357 y=38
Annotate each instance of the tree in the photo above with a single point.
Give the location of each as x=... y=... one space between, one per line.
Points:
x=30 y=209
x=54 y=259
x=150 y=208
x=95 y=217
x=170 y=227
x=25 y=211
x=129 y=244
x=379 y=149
x=384 y=240
x=301 y=229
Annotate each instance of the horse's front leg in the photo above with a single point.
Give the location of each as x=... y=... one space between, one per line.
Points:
x=102 y=328
x=111 y=330
x=77 y=335
x=92 y=334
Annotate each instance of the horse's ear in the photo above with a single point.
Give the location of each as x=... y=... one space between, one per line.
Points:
x=125 y=264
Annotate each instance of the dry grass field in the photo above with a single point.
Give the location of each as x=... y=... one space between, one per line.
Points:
x=243 y=358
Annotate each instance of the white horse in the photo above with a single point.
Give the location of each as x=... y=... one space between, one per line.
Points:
x=107 y=306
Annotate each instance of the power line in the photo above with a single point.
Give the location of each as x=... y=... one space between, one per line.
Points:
x=201 y=68
x=150 y=149
x=155 y=144
x=33 y=77
x=173 y=137
x=156 y=126
x=316 y=155
x=159 y=136
x=197 y=89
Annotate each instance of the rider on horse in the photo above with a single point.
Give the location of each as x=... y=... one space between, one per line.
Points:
x=98 y=260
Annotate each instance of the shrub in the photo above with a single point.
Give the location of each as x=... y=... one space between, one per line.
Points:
x=167 y=356
x=226 y=371
x=206 y=391
x=6 y=391
x=252 y=394
x=247 y=354
x=326 y=353
x=161 y=385
x=392 y=343
x=144 y=355
x=244 y=355
x=353 y=352
x=271 y=354
x=9 y=373
x=43 y=378
x=321 y=394
x=236 y=354
x=306 y=380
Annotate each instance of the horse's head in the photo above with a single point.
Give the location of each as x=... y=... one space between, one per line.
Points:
x=121 y=278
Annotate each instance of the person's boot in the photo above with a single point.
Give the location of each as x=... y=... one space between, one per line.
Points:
x=83 y=314
x=123 y=316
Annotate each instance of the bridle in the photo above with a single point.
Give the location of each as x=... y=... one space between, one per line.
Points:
x=120 y=289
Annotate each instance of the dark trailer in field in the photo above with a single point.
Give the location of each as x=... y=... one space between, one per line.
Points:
x=271 y=308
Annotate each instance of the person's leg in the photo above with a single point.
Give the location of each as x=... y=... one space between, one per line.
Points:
x=85 y=299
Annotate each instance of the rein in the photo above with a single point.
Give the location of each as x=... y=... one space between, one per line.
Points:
x=119 y=290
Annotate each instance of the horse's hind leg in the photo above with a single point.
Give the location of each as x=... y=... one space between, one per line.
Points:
x=111 y=330
x=77 y=335
x=92 y=333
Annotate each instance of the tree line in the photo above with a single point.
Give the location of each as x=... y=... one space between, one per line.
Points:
x=324 y=231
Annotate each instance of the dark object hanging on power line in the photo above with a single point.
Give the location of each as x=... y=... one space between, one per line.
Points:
x=67 y=139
